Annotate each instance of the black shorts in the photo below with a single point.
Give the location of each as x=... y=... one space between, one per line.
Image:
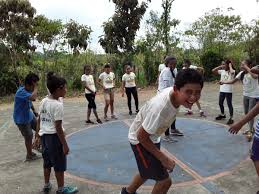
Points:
x=52 y=153
x=91 y=100
x=148 y=165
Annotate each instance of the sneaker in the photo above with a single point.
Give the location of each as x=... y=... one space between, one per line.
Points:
x=68 y=190
x=137 y=111
x=169 y=139
x=176 y=132
x=130 y=112
x=230 y=121
x=220 y=117
x=189 y=113
x=202 y=114
x=47 y=188
x=114 y=117
x=89 y=122
x=99 y=121
x=106 y=118
x=124 y=191
x=32 y=157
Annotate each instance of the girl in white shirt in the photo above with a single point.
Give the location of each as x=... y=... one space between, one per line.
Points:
x=250 y=91
x=227 y=73
x=90 y=92
x=129 y=86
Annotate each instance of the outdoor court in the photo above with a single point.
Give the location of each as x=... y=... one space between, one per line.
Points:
x=208 y=158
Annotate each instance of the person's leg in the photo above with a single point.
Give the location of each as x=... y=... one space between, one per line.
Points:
x=128 y=93
x=162 y=187
x=107 y=103
x=112 y=103
x=60 y=179
x=28 y=145
x=136 y=182
x=88 y=114
x=221 y=102
x=174 y=130
x=230 y=107
x=135 y=96
x=47 y=172
x=252 y=103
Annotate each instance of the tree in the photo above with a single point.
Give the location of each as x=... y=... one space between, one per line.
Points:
x=77 y=36
x=16 y=18
x=120 y=30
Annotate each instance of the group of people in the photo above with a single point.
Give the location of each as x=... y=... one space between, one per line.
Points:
x=154 y=120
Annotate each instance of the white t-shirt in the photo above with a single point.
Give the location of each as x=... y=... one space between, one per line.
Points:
x=250 y=85
x=226 y=76
x=129 y=80
x=50 y=110
x=89 y=82
x=161 y=67
x=155 y=117
x=107 y=79
x=166 y=79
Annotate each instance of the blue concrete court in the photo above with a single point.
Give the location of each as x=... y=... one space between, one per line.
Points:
x=102 y=153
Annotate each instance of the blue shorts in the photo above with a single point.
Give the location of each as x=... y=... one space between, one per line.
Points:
x=52 y=153
x=255 y=150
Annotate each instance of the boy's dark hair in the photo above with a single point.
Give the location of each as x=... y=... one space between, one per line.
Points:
x=168 y=59
x=249 y=63
x=31 y=78
x=107 y=66
x=188 y=76
x=54 y=82
x=187 y=61
x=86 y=67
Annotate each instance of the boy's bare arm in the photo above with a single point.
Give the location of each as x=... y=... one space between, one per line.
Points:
x=61 y=136
x=145 y=141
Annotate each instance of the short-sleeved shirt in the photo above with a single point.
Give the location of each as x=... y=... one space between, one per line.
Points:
x=22 y=106
x=250 y=85
x=89 y=80
x=226 y=76
x=107 y=79
x=129 y=80
x=50 y=110
x=161 y=67
x=166 y=79
x=155 y=117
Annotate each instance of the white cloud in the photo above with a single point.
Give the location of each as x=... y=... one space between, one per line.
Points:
x=95 y=12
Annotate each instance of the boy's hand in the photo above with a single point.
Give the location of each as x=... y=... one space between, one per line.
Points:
x=235 y=128
x=65 y=149
x=168 y=163
x=36 y=143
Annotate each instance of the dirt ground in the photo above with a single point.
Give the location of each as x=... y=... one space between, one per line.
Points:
x=18 y=177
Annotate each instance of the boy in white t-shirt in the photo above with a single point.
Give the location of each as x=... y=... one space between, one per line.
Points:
x=129 y=87
x=90 y=92
x=250 y=91
x=187 y=64
x=151 y=122
x=52 y=136
x=227 y=73
x=107 y=82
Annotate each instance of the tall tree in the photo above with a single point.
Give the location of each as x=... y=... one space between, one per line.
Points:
x=120 y=30
x=16 y=18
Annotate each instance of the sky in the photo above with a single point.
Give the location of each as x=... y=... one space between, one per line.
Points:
x=94 y=12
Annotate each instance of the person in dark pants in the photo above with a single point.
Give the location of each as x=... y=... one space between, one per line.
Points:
x=90 y=92
x=227 y=73
x=129 y=86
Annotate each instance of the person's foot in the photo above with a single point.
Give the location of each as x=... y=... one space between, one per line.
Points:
x=230 y=121
x=189 y=112
x=257 y=192
x=137 y=111
x=249 y=136
x=32 y=157
x=68 y=190
x=89 y=122
x=114 y=117
x=47 y=188
x=124 y=191
x=130 y=112
x=246 y=132
x=99 y=121
x=38 y=148
x=202 y=114
x=169 y=139
x=176 y=132
x=220 y=117
x=106 y=118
